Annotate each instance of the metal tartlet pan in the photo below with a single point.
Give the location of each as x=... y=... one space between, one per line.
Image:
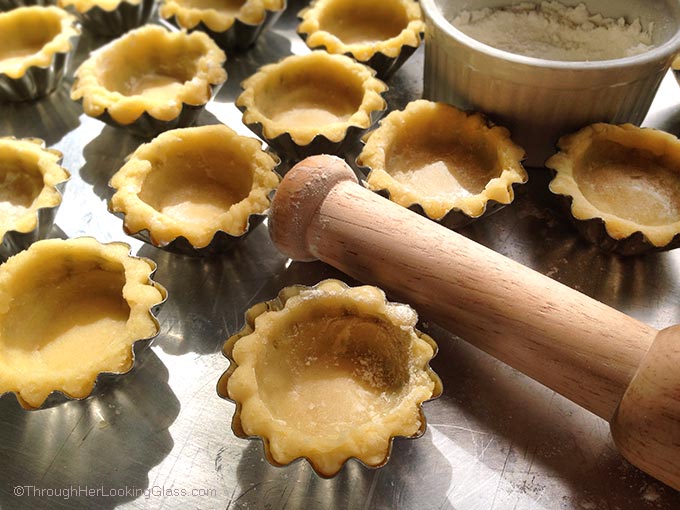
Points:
x=290 y=152
x=241 y=35
x=222 y=242
x=105 y=379
x=37 y=81
x=594 y=230
x=147 y=126
x=455 y=218
x=249 y=327
x=384 y=65
x=13 y=241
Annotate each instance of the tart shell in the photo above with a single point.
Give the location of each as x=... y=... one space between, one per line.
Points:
x=316 y=103
x=386 y=55
x=57 y=355
x=26 y=164
x=230 y=32
x=621 y=186
x=181 y=164
x=39 y=73
x=365 y=347
x=169 y=78
x=417 y=153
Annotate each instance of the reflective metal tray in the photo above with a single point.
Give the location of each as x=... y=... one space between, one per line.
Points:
x=162 y=438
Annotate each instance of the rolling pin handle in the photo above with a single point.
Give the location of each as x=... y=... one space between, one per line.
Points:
x=646 y=425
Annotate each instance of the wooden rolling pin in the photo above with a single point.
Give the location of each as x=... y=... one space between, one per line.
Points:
x=607 y=362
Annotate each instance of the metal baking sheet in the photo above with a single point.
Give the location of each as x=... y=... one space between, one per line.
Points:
x=161 y=438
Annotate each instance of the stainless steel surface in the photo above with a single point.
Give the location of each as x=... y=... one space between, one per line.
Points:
x=161 y=439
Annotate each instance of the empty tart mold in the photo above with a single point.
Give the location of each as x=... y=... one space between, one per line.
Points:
x=621 y=184
x=316 y=103
x=31 y=182
x=150 y=79
x=195 y=190
x=329 y=373
x=380 y=33
x=36 y=44
x=233 y=25
x=446 y=164
x=110 y=17
x=72 y=312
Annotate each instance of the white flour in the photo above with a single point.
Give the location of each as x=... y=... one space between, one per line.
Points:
x=553 y=31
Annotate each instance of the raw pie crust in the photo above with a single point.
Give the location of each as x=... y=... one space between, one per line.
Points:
x=70 y=310
x=627 y=176
x=29 y=174
x=149 y=70
x=194 y=182
x=31 y=36
x=362 y=28
x=329 y=373
x=442 y=158
x=309 y=95
x=218 y=15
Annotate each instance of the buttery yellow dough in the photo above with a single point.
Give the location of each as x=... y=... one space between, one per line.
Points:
x=149 y=69
x=313 y=94
x=626 y=175
x=193 y=182
x=442 y=158
x=29 y=174
x=362 y=28
x=218 y=15
x=329 y=373
x=68 y=311
x=31 y=36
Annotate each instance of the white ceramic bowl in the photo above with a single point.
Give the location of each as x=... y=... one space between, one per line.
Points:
x=540 y=100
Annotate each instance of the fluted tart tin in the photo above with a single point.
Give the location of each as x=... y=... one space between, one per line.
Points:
x=34 y=66
x=382 y=34
x=233 y=28
x=312 y=104
x=621 y=186
x=73 y=313
x=150 y=79
x=446 y=164
x=196 y=191
x=329 y=373
x=31 y=185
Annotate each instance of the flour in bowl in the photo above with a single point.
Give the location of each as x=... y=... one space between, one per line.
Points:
x=554 y=31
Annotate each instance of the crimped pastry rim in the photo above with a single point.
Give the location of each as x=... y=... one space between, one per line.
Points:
x=563 y=163
x=372 y=100
x=497 y=190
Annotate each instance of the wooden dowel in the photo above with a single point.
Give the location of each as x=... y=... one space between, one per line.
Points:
x=607 y=362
